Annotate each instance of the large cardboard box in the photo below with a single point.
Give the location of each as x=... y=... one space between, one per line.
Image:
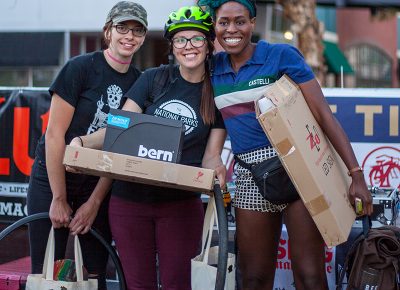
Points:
x=137 y=169
x=315 y=168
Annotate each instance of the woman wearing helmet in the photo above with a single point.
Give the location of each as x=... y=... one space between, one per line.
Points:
x=241 y=75
x=149 y=221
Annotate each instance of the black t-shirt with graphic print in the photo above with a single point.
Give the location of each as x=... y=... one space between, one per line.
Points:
x=182 y=102
x=89 y=84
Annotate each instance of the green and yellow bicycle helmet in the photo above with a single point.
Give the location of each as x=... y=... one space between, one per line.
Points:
x=189 y=18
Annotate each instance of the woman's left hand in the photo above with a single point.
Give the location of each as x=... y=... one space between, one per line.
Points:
x=84 y=218
x=76 y=142
x=359 y=189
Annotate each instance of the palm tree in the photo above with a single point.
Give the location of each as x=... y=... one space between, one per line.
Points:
x=308 y=30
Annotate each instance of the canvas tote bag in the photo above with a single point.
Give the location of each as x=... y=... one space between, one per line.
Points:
x=204 y=266
x=45 y=280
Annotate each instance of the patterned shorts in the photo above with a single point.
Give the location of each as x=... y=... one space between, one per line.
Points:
x=247 y=194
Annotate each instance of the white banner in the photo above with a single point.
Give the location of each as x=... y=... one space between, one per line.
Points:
x=284 y=275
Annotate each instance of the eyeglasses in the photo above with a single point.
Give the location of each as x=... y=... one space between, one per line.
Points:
x=195 y=41
x=124 y=29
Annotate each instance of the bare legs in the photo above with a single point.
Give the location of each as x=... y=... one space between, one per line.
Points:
x=258 y=235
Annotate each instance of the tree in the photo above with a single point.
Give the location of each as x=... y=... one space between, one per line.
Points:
x=308 y=30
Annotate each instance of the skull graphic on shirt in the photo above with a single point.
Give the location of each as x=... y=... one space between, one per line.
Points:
x=114 y=95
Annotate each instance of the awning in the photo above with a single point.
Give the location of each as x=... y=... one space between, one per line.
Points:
x=335 y=58
x=30 y=48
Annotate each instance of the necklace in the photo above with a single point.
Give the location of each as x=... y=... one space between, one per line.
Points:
x=115 y=59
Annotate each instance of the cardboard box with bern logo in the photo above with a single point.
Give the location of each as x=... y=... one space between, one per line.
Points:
x=315 y=168
x=131 y=136
x=144 y=136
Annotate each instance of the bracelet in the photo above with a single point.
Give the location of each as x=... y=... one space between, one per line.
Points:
x=79 y=137
x=355 y=169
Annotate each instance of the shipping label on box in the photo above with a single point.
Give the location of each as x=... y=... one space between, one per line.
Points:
x=315 y=168
x=136 y=169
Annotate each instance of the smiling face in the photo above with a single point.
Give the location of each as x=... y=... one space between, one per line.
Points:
x=190 y=57
x=123 y=46
x=233 y=28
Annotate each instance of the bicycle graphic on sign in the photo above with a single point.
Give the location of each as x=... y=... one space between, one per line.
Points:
x=387 y=168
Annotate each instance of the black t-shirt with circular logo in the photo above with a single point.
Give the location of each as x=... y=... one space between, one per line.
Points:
x=181 y=102
x=89 y=84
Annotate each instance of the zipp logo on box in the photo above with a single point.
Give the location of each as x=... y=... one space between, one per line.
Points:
x=155 y=154
x=313 y=137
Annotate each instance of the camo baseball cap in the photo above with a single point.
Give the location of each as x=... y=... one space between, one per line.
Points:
x=127 y=10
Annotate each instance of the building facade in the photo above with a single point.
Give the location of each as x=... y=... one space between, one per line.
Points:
x=371 y=46
x=38 y=36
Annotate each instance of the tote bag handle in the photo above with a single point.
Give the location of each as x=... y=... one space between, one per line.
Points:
x=48 y=264
x=209 y=219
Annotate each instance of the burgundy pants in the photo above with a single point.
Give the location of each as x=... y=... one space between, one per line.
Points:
x=171 y=230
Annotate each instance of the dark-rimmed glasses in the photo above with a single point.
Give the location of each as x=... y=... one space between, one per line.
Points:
x=124 y=29
x=195 y=41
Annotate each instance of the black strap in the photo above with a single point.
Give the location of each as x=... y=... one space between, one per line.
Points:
x=366 y=223
x=242 y=163
x=161 y=78
x=162 y=82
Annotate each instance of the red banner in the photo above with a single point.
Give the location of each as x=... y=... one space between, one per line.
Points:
x=23 y=119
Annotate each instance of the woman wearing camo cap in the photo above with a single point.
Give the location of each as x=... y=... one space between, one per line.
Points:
x=82 y=95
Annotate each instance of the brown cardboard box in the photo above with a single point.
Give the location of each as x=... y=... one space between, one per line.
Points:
x=315 y=168
x=136 y=169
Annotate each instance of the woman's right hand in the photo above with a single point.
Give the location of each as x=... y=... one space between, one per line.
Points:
x=60 y=213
